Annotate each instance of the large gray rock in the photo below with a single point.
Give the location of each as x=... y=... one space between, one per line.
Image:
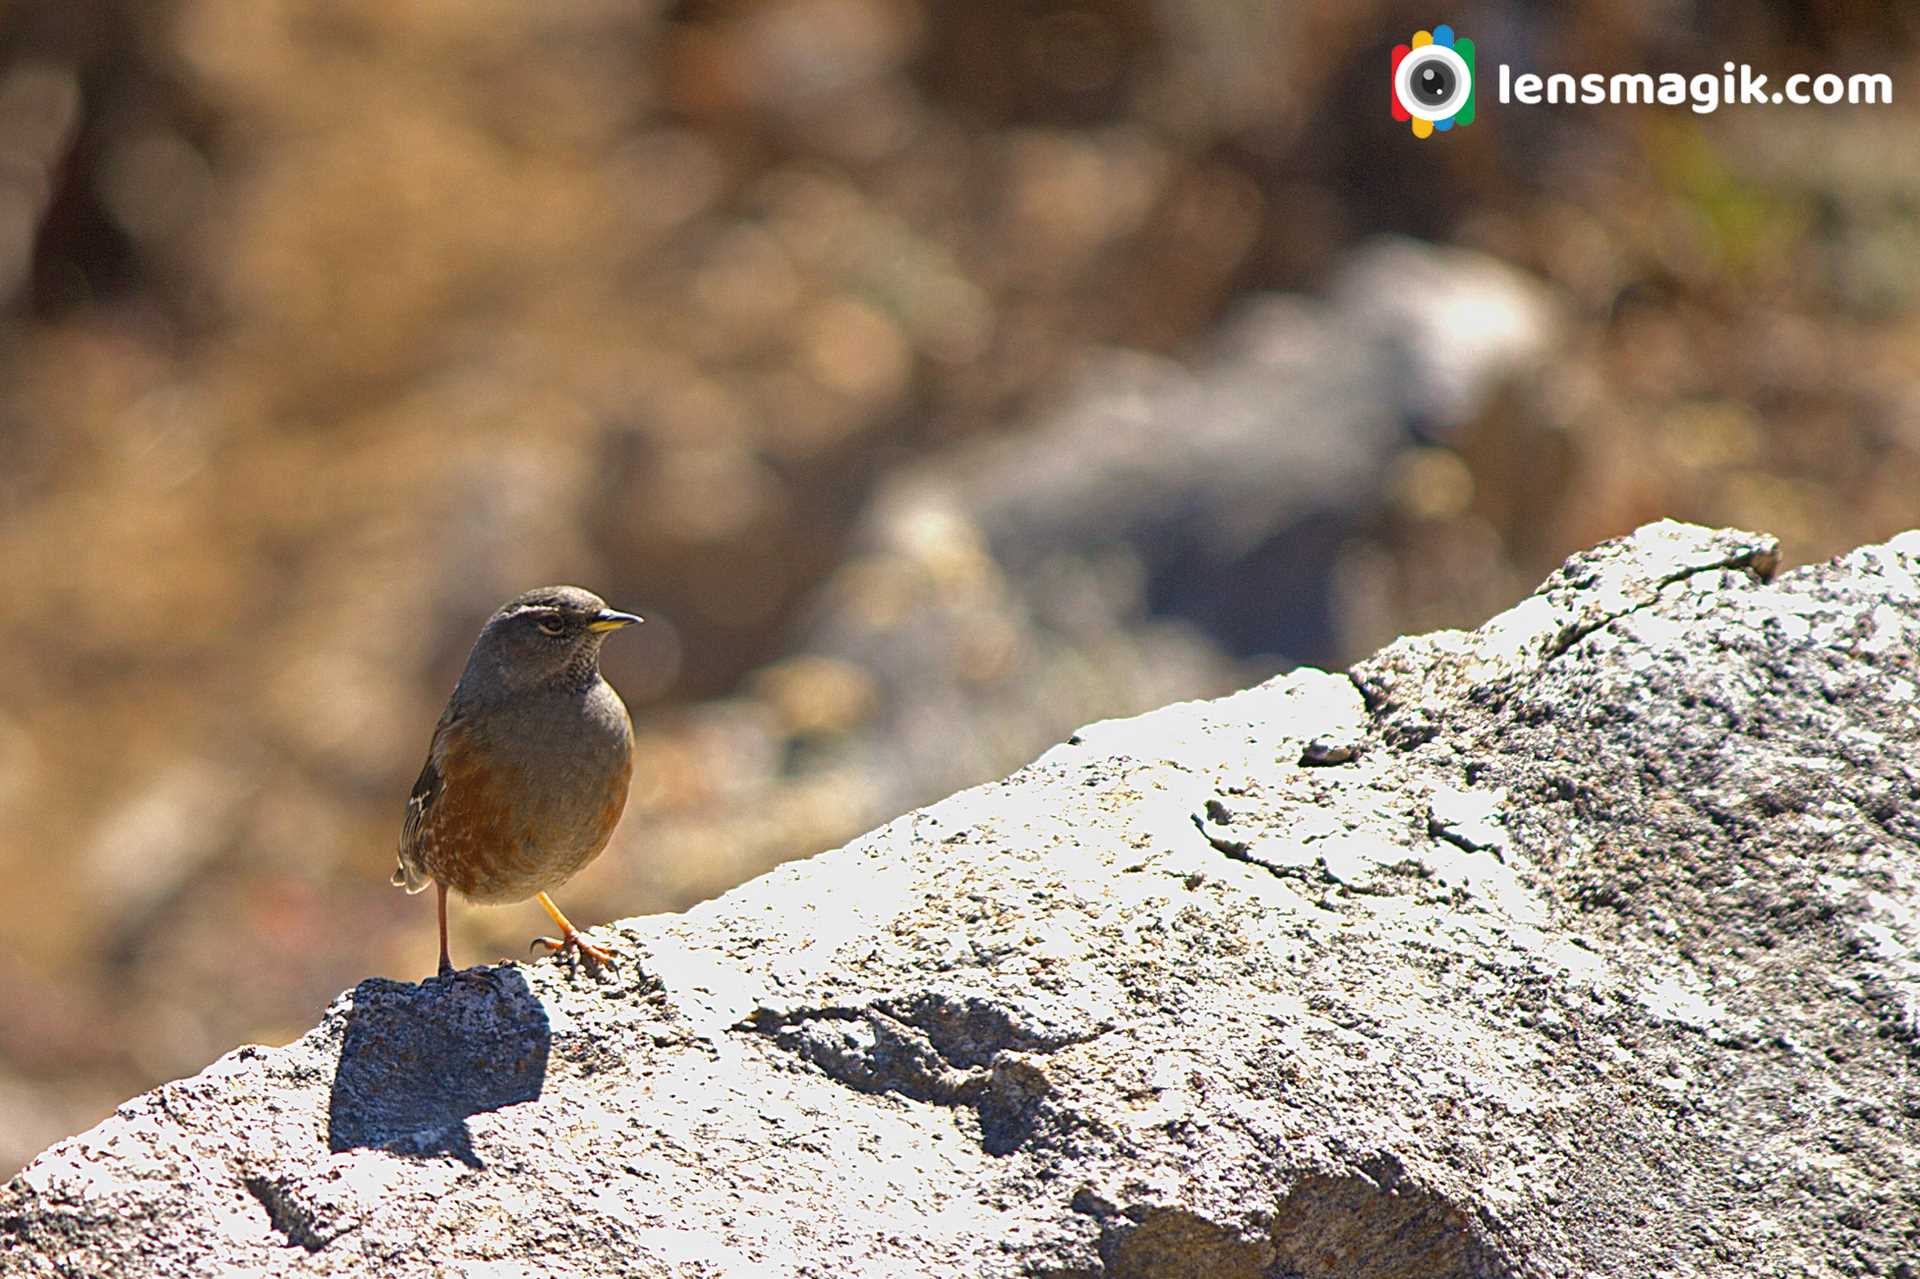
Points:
x=1587 y=943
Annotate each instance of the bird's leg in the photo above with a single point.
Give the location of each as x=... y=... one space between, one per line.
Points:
x=446 y=960
x=570 y=938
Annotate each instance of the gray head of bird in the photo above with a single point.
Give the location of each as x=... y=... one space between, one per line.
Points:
x=550 y=636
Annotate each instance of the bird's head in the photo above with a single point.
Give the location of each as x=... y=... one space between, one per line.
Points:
x=551 y=635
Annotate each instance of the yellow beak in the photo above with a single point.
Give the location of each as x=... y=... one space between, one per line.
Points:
x=610 y=620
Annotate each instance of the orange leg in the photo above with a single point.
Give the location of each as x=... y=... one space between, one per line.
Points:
x=446 y=961
x=570 y=938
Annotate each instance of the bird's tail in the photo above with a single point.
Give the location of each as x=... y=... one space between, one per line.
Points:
x=410 y=878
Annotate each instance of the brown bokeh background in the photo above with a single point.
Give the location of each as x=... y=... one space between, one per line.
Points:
x=331 y=323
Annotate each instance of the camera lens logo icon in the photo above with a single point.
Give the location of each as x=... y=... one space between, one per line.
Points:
x=1433 y=81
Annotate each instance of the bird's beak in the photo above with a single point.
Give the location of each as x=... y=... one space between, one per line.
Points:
x=611 y=620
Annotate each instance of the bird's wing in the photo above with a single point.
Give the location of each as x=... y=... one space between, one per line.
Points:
x=412 y=874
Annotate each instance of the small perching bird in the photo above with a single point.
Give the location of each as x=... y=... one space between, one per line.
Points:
x=527 y=774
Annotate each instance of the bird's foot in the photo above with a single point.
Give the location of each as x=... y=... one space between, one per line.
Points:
x=479 y=972
x=573 y=944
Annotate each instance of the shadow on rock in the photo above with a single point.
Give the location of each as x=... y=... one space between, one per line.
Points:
x=418 y=1060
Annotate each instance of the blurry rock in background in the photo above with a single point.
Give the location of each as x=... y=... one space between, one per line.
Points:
x=935 y=378
x=1174 y=528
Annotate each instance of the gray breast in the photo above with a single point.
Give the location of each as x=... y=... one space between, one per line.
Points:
x=574 y=752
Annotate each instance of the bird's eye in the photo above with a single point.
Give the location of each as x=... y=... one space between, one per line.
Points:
x=550 y=624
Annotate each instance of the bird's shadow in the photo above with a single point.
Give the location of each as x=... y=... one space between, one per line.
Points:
x=416 y=1061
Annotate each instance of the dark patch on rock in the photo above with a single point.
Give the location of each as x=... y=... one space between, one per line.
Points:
x=419 y=1061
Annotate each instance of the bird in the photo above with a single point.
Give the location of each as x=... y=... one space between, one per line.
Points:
x=528 y=770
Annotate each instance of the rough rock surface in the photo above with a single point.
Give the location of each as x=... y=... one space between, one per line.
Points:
x=1587 y=943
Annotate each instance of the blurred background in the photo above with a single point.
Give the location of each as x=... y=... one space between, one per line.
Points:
x=934 y=377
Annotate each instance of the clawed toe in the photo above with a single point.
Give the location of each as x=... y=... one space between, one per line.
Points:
x=572 y=943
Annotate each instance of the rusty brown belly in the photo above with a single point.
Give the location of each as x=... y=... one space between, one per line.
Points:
x=494 y=836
